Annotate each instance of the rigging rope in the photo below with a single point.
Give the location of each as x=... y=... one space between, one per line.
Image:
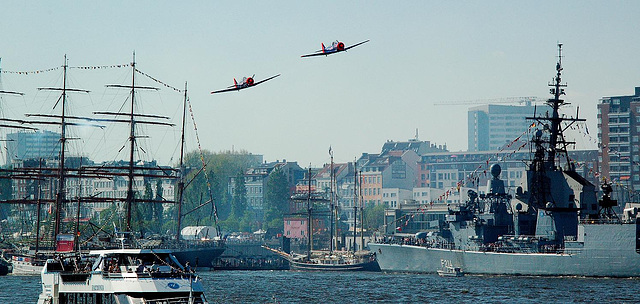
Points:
x=204 y=169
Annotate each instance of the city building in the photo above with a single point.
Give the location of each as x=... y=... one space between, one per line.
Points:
x=491 y=127
x=26 y=145
x=394 y=169
x=77 y=186
x=451 y=171
x=295 y=227
x=255 y=182
x=618 y=136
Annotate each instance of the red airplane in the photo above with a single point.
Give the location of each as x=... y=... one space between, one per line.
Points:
x=335 y=47
x=245 y=83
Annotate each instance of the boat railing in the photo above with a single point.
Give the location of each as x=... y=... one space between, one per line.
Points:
x=146 y=274
x=190 y=244
x=176 y=300
x=601 y=221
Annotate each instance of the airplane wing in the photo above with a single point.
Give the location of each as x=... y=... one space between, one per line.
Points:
x=357 y=44
x=228 y=90
x=244 y=87
x=317 y=54
x=261 y=81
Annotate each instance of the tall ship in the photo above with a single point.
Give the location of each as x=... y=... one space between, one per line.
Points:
x=553 y=225
x=331 y=260
x=63 y=224
x=188 y=244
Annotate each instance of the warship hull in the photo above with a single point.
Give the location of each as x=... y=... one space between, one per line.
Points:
x=601 y=250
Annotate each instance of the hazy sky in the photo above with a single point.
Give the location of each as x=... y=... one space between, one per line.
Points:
x=420 y=53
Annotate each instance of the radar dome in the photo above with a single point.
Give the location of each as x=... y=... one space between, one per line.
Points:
x=495 y=170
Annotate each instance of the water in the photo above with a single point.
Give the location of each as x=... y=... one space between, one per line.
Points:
x=323 y=287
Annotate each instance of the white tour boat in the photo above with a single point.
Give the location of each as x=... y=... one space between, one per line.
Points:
x=120 y=276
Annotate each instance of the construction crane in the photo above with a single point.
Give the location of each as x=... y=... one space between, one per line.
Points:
x=528 y=100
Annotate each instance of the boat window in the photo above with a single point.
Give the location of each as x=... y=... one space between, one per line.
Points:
x=54 y=266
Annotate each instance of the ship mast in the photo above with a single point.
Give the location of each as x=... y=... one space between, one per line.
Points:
x=309 y=225
x=60 y=195
x=133 y=121
x=182 y=169
x=331 y=204
x=546 y=151
x=132 y=143
x=355 y=204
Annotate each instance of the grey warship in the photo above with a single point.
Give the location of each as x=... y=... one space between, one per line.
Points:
x=554 y=225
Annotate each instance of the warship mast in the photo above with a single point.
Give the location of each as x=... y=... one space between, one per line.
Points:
x=548 y=150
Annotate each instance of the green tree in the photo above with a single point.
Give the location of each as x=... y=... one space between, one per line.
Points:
x=276 y=199
x=220 y=168
x=373 y=217
x=157 y=208
x=239 y=200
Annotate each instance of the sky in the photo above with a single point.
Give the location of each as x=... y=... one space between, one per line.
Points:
x=420 y=54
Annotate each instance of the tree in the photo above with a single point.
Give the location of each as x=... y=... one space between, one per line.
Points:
x=145 y=208
x=157 y=208
x=239 y=200
x=276 y=199
x=373 y=217
x=220 y=168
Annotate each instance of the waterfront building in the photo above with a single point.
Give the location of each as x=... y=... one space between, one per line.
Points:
x=82 y=187
x=26 y=145
x=295 y=227
x=618 y=136
x=392 y=197
x=452 y=170
x=255 y=182
x=491 y=127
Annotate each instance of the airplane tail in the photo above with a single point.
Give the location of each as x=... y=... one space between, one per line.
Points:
x=322 y=46
x=235 y=83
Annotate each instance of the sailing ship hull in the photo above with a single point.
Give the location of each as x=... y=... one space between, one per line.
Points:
x=364 y=266
x=605 y=250
x=199 y=257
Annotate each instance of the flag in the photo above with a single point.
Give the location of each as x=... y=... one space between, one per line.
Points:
x=330 y=151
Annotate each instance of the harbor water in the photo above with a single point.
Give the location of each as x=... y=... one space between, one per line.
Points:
x=364 y=287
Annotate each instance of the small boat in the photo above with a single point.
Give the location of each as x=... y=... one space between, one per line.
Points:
x=26 y=264
x=123 y=276
x=448 y=270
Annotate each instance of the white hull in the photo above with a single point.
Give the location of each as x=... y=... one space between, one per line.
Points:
x=123 y=276
x=22 y=268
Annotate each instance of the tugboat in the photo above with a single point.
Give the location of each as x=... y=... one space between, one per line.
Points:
x=125 y=276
